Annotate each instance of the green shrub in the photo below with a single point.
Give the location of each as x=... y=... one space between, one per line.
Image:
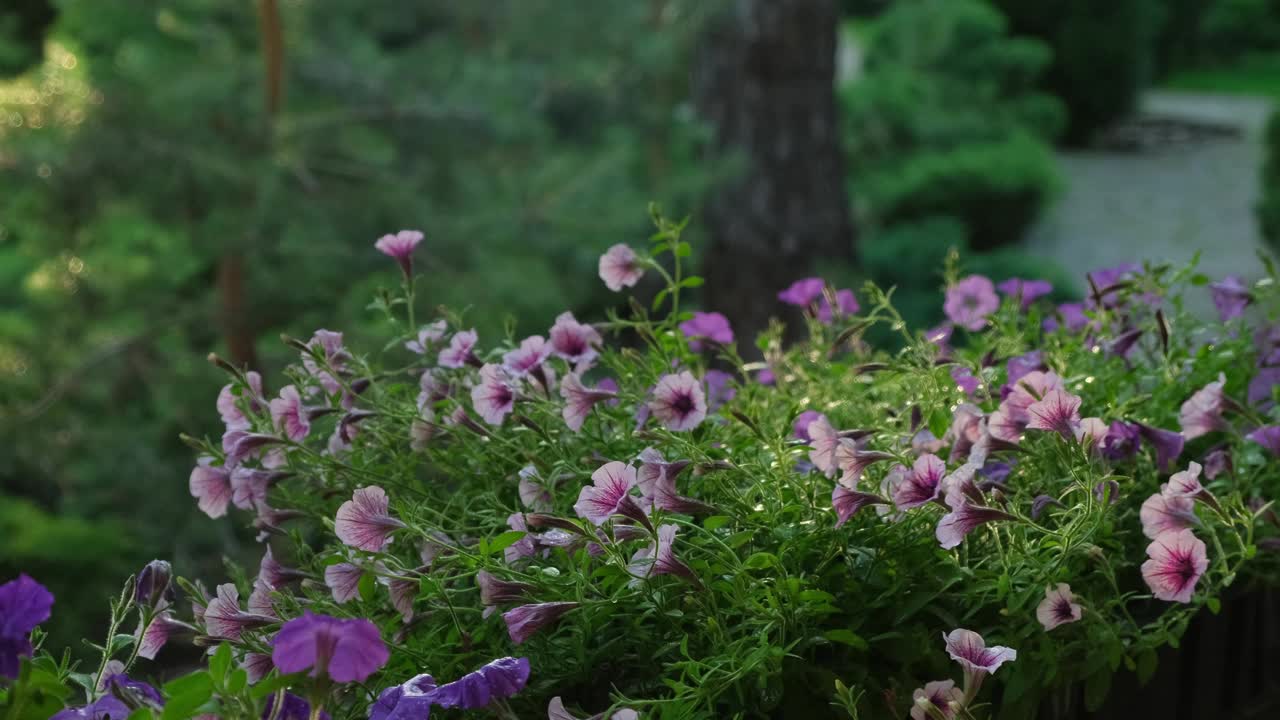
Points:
x=1269 y=205
x=947 y=122
x=1102 y=53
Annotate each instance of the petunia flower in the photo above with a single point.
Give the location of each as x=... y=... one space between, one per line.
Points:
x=461 y=350
x=400 y=248
x=1230 y=297
x=1041 y=503
x=1260 y=385
x=1058 y=411
x=580 y=400
x=965 y=380
x=24 y=604
x=157 y=634
x=413 y=700
x=494 y=591
x=154 y=584
x=343 y=581
x=574 y=341
x=522 y=548
x=249 y=485
x=256 y=665
x=1020 y=366
x=659 y=558
x=678 y=402
x=1026 y=291
x=965 y=431
x=1186 y=484
x=620 y=267
x=720 y=389
x=365 y=521
x=965 y=516
x=920 y=485
x=1168 y=444
x=1202 y=413
x=289 y=415
x=1176 y=560
x=522 y=622
x=428 y=335
x=533 y=351
x=1058 y=607
x=847 y=501
x=710 y=326
x=233 y=416
x=224 y=619
x=940 y=336
x=803 y=292
x=853 y=460
x=1268 y=437
x=656 y=480
x=1091 y=432
x=800 y=428
x=823 y=439
x=609 y=494
x=211 y=487
x=275 y=574
x=328 y=344
x=1266 y=340
x=846 y=304
x=494 y=396
x=557 y=711
x=344 y=650
x=970 y=650
x=292 y=707
x=1163 y=513
x=970 y=301
x=1217 y=462
x=260 y=600
x=403 y=592
x=1122 y=441
x=937 y=698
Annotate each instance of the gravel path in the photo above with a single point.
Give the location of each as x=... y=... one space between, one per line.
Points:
x=1164 y=202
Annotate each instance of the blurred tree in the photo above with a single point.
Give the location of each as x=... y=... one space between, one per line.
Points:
x=765 y=79
x=23 y=24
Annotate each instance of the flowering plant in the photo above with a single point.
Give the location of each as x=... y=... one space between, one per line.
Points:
x=628 y=518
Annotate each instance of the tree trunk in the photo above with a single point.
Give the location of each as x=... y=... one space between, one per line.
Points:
x=765 y=79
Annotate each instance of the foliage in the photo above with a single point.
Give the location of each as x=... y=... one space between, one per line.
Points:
x=1231 y=28
x=767 y=597
x=140 y=159
x=1102 y=54
x=1269 y=204
x=946 y=122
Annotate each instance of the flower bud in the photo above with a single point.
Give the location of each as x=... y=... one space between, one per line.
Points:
x=154 y=585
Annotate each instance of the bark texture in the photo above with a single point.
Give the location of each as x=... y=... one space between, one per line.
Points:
x=764 y=78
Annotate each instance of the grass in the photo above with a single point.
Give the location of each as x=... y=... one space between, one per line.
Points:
x=1257 y=74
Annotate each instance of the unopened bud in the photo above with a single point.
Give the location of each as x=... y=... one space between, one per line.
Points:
x=155 y=584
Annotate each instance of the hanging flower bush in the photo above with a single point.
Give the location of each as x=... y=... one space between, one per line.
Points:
x=622 y=517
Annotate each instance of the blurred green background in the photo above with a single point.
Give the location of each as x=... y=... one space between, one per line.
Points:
x=186 y=176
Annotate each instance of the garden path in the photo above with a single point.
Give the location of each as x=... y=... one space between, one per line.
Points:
x=1193 y=189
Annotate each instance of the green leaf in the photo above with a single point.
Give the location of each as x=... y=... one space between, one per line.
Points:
x=692 y=281
x=658 y=298
x=120 y=642
x=185 y=695
x=1214 y=605
x=239 y=679
x=715 y=522
x=1146 y=665
x=1096 y=687
x=760 y=561
x=846 y=637
x=141 y=714
x=220 y=662
x=1199 y=279
x=684 y=250
x=505 y=540
x=366 y=587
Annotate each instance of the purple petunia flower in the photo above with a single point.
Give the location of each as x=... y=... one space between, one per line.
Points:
x=1027 y=291
x=656 y=480
x=1058 y=607
x=1260 y=386
x=720 y=389
x=940 y=336
x=24 y=604
x=574 y=341
x=609 y=494
x=800 y=429
x=1122 y=441
x=428 y=335
x=1217 y=462
x=292 y=707
x=803 y=291
x=1267 y=343
x=522 y=548
x=965 y=380
x=970 y=650
x=707 y=326
x=847 y=501
x=1168 y=444
x=230 y=410
x=1176 y=560
x=533 y=351
x=224 y=619
x=557 y=711
x=107 y=707
x=329 y=346
x=659 y=558
x=1072 y=316
x=846 y=304
x=679 y=402
x=1020 y=366
x=579 y=400
x=461 y=350
x=494 y=591
x=533 y=491
x=343 y=581
x=620 y=267
x=1268 y=437
x=1202 y=413
x=275 y=574
x=522 y=622
x=344 y=650
x=400 y=247
x=494 y=396
x=920 y=485
x=413 y=700
x=970 y=301
x=823 y=439
x=965 y=516
x=211 y=487
x=365 y=521
x=1230 y=297
x=935 y=699
x=853 y=460
x=1058 y=411
x=1163 y=513
x=289 y=415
